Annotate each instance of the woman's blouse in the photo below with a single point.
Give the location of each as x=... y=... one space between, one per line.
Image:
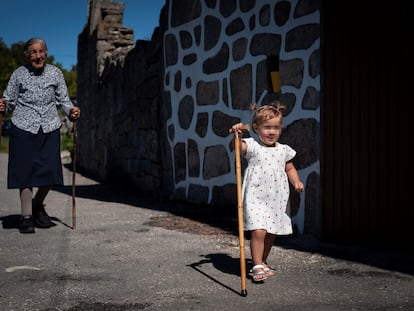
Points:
x=35 y=98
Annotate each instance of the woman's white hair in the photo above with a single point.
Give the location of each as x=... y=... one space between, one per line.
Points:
x=32 y=41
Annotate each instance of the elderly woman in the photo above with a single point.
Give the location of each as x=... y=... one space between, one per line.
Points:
x=34 y=94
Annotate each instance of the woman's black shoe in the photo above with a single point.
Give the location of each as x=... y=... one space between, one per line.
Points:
x=26 y=224
x=41 y=218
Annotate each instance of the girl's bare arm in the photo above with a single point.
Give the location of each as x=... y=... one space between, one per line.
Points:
x=293 y=176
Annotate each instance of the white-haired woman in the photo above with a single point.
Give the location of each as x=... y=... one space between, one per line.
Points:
x=34 y=94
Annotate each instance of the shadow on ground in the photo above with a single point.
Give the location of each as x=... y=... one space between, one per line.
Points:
x=200 y=219
x=223 y=263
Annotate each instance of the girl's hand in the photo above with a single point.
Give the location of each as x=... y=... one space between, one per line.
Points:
x=237 y=127
x=299 y=186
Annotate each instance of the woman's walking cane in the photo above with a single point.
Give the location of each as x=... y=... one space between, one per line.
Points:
x=1 y=125
x=74 y=177
x=240 y=209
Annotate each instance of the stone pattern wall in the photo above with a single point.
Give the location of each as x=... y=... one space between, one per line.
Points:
x=157 y=115
x=217 y=56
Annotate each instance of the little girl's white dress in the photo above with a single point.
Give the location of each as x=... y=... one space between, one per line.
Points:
x=265 y=191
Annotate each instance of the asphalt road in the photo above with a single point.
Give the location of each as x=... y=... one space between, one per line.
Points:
x=120 y=256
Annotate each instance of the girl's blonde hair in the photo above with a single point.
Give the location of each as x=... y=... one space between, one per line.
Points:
x=266 y=112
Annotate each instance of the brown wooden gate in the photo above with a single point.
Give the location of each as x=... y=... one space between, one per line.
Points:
x=367 y=124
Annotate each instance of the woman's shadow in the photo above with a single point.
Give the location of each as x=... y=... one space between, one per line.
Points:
x=12 y=221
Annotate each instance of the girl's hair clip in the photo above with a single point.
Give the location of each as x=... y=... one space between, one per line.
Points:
x=274 y=104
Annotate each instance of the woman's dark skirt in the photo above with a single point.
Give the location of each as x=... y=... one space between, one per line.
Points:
x=34 y=159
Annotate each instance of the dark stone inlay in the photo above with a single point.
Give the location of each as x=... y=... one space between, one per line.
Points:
x=216 y=162
x=177 y=81
x=264 y=15
x=241 y=87
x=265 y=44
x=302 y=37
x=185 y=39
x=189 y=59
x=211 y=36
x=184 y=11
x=171 y=45
x=311 y=99
x=202 y=124
x=217 y=63
x=227 y=7
x=207 y=93
x=306 y=7
x=235 y=26
x=180 y=162
x=193 y=159
x=282 y=12
x=185 y=111
x=222 y=122
x=303 y=136
x=239 y=49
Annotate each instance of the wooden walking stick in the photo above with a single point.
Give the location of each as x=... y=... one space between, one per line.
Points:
x=74 y=177
x=2 y=113
x=1 y=125
x=240 y=209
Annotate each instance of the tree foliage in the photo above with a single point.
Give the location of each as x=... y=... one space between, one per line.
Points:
x=13 y=57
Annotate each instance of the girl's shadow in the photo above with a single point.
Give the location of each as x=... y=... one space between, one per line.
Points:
x=221 y=262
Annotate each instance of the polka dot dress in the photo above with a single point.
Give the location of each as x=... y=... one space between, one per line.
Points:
x=266 y=188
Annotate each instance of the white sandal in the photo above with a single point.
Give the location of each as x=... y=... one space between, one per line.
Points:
x=268 y=270
x=258 y=273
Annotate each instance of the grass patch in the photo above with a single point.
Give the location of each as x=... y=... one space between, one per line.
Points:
x=4 y=144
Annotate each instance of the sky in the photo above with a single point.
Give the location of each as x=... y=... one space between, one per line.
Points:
x=59 y=23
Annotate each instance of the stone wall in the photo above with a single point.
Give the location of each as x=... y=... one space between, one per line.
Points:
x=119 y=91
x=157 y=115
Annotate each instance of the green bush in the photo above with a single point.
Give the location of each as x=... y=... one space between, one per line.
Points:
x=66 y=143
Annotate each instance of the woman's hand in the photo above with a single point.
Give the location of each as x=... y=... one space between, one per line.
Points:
x=2 y=105
x=74 y=114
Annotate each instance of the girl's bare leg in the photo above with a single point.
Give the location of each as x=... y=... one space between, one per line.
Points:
x=257 y=245
x=257 y=241
x=268 y=243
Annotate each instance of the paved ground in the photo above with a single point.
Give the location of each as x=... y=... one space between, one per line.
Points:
x=130 y=253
